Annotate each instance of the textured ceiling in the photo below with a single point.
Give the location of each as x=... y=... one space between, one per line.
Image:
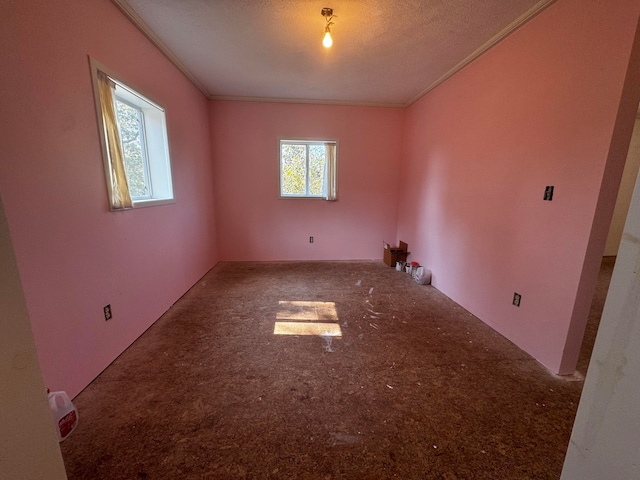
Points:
x=386 y=52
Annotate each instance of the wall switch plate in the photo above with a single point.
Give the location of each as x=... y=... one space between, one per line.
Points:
x=107 y=312
x=548 y=193
x=516 y=299
x=310 y=239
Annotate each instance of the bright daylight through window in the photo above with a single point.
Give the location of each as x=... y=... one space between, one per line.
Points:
x=135 y=148
x=136 y=161
x=308 y=169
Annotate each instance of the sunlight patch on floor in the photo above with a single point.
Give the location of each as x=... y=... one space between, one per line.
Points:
x=307 y=318
x=308 y=328
x=312 y=311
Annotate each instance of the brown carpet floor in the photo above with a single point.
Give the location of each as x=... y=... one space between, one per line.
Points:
x=415 y=388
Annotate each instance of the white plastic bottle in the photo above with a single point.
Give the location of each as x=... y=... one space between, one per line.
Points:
x=65 y=414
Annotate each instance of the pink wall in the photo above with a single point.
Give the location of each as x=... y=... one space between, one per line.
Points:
x=73 y=254
x=255 y=224
x=538 y=109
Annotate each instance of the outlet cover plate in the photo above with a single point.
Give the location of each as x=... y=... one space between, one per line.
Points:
x=517 y=298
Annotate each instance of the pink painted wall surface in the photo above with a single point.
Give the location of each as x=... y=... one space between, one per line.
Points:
x=75 y=256
x=538 y=109
x=255 y=224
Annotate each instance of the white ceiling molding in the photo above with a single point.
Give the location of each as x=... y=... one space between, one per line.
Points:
x=306 y=101
x=131 y=14
x=505 y=32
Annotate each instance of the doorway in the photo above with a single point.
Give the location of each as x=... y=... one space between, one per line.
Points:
x=621 y=209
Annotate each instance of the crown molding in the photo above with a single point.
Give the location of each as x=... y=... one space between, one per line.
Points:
x=231 y=98
x=502 y=34
x=131 y=14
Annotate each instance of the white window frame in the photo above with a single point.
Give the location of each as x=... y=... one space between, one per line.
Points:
x=155 y=138
x=307 y=142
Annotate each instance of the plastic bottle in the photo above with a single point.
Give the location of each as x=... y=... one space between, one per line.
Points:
x=65 y=414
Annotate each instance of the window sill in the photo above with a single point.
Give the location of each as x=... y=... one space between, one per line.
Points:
x=152 y=202
x=308 y=197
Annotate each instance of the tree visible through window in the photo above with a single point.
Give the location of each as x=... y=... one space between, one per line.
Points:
x=131 y=128
x=305 y=168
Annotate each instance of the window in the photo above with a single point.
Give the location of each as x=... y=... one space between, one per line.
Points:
x=308 y=169
x=133 y=140
x=133 y=134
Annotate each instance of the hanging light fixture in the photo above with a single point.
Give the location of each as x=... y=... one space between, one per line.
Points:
x=327 y=13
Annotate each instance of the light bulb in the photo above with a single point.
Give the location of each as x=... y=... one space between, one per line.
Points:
x=327 y=41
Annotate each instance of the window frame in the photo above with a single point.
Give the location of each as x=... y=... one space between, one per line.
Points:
x=307 y=142
x=162 y=169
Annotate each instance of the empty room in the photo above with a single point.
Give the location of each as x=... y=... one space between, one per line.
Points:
x=198 y=198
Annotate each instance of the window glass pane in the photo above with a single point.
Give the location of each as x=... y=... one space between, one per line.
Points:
x=316 y=169
x=293 y=165
x=129 y=125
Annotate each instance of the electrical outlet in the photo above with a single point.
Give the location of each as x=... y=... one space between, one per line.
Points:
x=107 y=313
x=310 y=239
x=517 y=298
x=548 y=193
